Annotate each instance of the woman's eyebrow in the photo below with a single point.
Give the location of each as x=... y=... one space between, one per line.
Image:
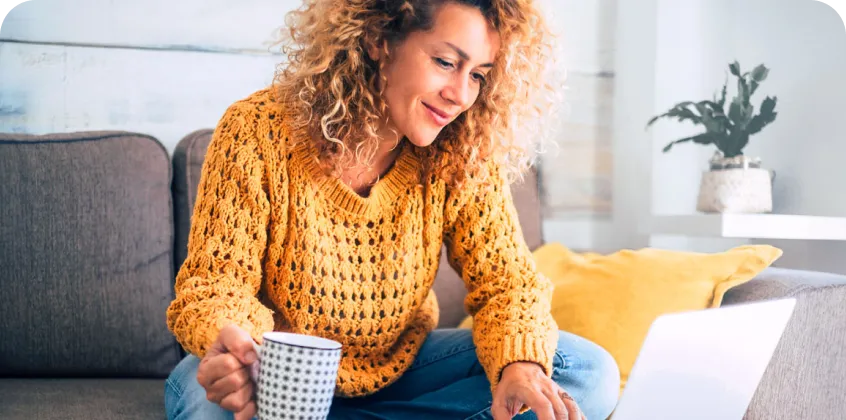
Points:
x=464 y=55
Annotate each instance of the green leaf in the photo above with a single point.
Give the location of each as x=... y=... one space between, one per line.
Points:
x=764 y=117
x=735 y=68
x=759 y=74
x=747 y=111
x=734 y=112
x=680 y=112
x=711 y=123
x=722 y=122
x=740 y=114
x=704 y=138
x=742 y=91
x=670 y=146
x=716 y=108
x=722 y=100
x=769 y=104
x=733 y=145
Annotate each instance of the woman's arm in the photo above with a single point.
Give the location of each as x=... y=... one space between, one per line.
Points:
x=507 y=297
x=222 y=274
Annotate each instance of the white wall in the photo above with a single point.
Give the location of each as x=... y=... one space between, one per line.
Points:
x=158 y=67
x=807 y=144
x=804 y=44
x=579 y=178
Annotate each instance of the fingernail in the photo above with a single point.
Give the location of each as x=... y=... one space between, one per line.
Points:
x=251 y=357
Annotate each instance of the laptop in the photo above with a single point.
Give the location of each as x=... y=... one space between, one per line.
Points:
x=704 y=364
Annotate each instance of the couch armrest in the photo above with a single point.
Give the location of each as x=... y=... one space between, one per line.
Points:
x=806 y=377
x=774 y=283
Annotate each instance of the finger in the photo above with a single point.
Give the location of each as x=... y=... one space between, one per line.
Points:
x=232 y=382
x=499 y=405
x=499 y=409
x=573 y=409
x=238 y=400
x=559 y=409
x=237 y=341
x=515 y=408
x=539 y=403
x=214 y=368
x=255 y=369
x=247 y=413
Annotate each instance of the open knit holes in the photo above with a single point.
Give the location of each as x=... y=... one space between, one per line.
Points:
x=223 y=220
x=332 y=267
x=355 y=275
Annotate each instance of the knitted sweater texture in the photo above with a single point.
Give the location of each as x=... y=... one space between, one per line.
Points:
x=277 y=245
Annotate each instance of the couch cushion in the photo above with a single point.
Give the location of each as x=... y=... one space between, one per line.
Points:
x=449 y=288
x=86 y=254
x=82 y=399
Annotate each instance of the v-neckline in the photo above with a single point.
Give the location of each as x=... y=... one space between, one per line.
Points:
x=397 y=180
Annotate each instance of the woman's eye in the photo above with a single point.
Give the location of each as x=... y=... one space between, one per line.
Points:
x=443 y=63
x=479 y=77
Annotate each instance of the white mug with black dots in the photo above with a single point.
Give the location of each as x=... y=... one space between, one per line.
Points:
x=295 y=376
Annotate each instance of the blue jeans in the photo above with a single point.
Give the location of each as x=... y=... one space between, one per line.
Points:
x=445 y=381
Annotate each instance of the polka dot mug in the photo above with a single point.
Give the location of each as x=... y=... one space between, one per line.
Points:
x=295 y=376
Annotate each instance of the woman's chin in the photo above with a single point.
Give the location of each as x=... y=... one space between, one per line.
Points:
x=422 y=140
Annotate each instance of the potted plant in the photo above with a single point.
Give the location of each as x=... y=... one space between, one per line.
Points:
x=734 y=182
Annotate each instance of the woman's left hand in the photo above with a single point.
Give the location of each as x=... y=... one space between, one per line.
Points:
x=525 y=383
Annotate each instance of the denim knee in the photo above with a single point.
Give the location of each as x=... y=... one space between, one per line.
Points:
x=185 y=398
x=181 y=376
x=607 y=391
x=590 y=371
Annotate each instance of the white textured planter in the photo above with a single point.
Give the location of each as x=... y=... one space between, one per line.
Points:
x=736 y=191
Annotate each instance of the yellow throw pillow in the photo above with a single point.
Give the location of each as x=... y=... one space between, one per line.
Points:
x=613 y=299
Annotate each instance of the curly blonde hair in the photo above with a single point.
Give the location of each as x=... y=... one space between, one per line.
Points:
x=332 y=86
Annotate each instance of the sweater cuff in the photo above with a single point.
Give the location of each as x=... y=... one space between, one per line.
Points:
x=197 y=337
x=521 y=348
x=255 y=325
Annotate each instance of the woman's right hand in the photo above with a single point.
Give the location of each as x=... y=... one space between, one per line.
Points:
x=224 y=372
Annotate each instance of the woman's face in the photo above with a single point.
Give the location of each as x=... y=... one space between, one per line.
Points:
x=434 y=76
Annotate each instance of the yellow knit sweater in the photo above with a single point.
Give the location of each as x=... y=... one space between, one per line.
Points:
x=276 y=245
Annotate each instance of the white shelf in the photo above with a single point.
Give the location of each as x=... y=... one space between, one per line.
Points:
x=752 y=226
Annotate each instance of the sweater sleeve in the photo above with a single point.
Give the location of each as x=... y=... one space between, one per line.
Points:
x=219 y=281
x=507 y=297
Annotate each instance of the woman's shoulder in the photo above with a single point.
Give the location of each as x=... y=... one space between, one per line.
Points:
x=257 y=121
x=261 y=113
x=257 y=103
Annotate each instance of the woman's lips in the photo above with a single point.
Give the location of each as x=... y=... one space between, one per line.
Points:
x=440 y=117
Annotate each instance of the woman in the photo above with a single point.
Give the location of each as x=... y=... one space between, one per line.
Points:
x=394 y=128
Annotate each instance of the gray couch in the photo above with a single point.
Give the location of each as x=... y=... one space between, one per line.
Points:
x=93 y=227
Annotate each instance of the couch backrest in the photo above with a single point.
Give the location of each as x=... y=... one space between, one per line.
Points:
x=188 y=161
x=86 y=246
